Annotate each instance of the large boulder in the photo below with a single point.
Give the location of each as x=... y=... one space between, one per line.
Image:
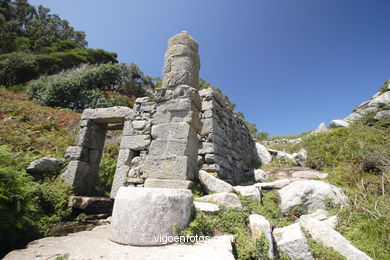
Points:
x=310 y=195
x=228 y=200
x=325 y=235
x=338 y=123
x=259 y=225
x=141 y=215
x=263 y=155
x=292 y=242
x=212 y=184
x=45 y=165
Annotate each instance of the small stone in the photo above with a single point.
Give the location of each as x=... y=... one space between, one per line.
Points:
x=274 y=185
x=206 y=207
x=212 y=184
x=259 y=225
x=382 y=115
x=263 y=155
x=251 y=192
x=92 y=205
x=292 y=242
x=228 y=200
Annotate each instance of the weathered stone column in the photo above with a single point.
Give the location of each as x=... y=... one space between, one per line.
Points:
x=173 y=153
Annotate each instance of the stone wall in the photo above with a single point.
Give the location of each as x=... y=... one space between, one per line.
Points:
x=227 y=147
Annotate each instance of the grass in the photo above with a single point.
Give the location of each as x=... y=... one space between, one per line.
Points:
x=357 y=159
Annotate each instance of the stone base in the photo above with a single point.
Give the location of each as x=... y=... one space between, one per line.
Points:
x=170 y=184
x=142 y=215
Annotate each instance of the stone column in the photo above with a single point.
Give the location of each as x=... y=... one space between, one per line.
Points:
x=173 y=153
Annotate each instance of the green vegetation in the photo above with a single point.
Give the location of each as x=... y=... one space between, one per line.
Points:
x=34 y=42
x=90 y=87
x=107 y=170
x=19 y=67
x=358 y=160
x=321 y=252
x=30 y=205
x=236 y=222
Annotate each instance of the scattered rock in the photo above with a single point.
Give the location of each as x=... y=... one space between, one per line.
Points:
x=382 y=115
x=286 y=173
x=292 y=242
x=319 y=214
x=45 y=165
x=206 y=207
x=259 y=225
x=309 y=174
x=260 y=175
x=95 y=244
x=322 y=233
x=322 y=128
x=251 y=192
x=283 y=156
x=273 y=185
x=142 y=214
x=338 y=123
x=92 y=205
x=263 y=154
x=229 y=200
x=310 y=195
x=212 y=184
x=301 y=157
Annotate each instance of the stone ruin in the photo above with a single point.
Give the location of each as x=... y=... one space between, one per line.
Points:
x=165 y=141
x=164 y=144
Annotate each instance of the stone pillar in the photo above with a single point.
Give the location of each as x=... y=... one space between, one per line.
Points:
x=173 y=153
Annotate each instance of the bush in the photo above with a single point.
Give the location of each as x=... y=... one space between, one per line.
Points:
x=28 y=209
x=90 y=87
x=20 y=67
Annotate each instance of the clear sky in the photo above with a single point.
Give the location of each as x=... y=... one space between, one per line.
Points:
x=287 y=64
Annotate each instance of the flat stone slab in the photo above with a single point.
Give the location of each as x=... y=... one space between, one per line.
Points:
x=323 y=233
x=95 y=244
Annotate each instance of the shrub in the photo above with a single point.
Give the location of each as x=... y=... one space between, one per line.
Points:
x=20 y=67
x=90 y=87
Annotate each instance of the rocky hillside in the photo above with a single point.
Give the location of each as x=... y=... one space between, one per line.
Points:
x=323 y=195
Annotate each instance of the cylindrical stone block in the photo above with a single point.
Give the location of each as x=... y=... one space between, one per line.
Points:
x=147 y=216
x=181 y=62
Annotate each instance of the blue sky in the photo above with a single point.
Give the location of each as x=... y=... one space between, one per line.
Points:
x=287 y=64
